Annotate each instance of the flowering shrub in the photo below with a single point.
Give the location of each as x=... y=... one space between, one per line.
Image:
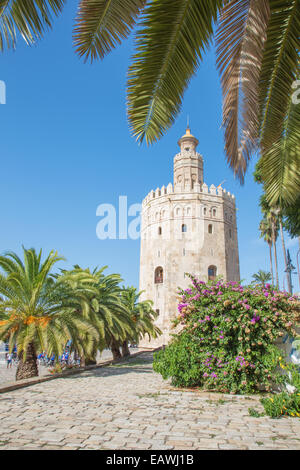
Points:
x=227 y=337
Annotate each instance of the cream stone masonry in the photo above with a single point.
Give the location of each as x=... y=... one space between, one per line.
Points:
x=186 y=227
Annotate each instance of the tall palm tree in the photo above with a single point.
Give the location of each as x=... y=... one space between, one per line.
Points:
x=273 y=220
x=142 y=315
x=266 y=233
x=37 y=313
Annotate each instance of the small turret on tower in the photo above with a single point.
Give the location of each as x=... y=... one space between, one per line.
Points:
x=188 y=142
x=188 y=164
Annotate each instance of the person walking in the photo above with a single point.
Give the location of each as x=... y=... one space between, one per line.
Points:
x=9 y=359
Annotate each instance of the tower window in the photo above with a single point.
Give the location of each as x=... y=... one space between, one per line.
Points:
x=204 y=211
x=210 y=228
x=184 y=228
x=159 y=275
x=157 y=311
x=214 y=212
x=212 y=273
x=159 y=231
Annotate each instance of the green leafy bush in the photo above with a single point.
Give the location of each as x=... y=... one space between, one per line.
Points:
x=284 y=403
x=227 y=337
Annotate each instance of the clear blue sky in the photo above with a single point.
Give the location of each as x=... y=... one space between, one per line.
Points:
x=66 y=148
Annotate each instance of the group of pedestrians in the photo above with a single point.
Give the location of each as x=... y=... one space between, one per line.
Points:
x=43 y=359
x=66 y=358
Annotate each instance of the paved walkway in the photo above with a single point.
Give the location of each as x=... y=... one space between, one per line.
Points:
x=128 y=406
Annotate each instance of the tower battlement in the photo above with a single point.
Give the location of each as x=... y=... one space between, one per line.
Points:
x=198 y=189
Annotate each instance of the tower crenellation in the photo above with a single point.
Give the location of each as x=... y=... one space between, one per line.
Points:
x=186 y=227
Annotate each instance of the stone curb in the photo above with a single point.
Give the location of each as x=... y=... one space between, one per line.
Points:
x=28 y=382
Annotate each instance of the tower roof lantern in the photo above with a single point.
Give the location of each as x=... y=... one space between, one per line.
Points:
x=188 y=138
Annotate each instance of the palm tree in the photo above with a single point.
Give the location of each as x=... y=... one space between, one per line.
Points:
x=273 y=220
x=266 y=234
x=258 y=46
x=262 y=277
x=102 y=305
x=142 y=315
x=37 y=313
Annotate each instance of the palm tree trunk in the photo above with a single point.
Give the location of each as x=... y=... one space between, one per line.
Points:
x=271 y=263
x=125 y=349
x=285 y=258
x=82 y=361
x=28 y=368
x=275 y=254
x=115 y=349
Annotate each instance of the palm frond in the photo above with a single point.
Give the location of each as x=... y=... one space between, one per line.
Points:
x=280 y=166
x=240 y=40
x=28 y=17
x=102 y=24
x=169 y=47
x=280 y=68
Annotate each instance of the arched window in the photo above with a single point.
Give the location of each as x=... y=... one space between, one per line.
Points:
x=212 y=273
x=204 y=211
x=184 y=228
x=159 y=275
x=159 y=231
x=214 y=212
x=210 y=228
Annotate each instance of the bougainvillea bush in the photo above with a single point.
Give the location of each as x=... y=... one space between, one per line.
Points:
x=227 y=338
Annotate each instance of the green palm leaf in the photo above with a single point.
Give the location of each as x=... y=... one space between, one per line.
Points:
x=280 y=166
x=28 y=17
x=169 y=47
x=102 y=24
x=280 y=68
x=240 y=39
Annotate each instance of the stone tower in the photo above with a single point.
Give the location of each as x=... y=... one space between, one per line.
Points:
x=186 y=227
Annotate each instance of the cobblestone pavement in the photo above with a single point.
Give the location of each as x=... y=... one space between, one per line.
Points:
x=128 y=406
